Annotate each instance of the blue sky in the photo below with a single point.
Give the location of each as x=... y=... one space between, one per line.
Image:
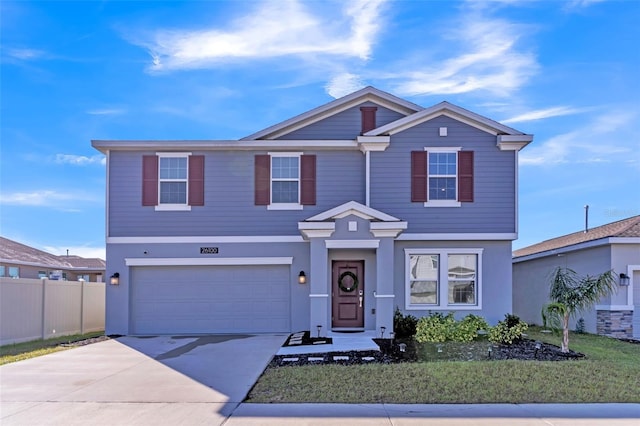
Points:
x=566 y=71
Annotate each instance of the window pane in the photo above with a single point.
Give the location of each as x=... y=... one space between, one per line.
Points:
x=284 y=192
x=442 y=188
x=173 y=168
x=173 y=192
x=423 y=276
x=462 y=278
x=284 y=167
x=1 y=271
x=14 y=271
x=442 y=163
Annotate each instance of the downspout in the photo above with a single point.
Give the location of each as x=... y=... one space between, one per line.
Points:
x=367 y=172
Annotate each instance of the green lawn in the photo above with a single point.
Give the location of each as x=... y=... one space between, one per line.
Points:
x=610 y=372
x=26 y=350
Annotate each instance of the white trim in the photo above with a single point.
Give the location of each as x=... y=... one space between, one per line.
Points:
x=318 y=295
x=363 y=95
x=624 y=240
x=180 y=154
x=367 y=178
x=459 y=237
x=207 y=240
x=443 y=203
x=285 y=206
x=224 y=145
x=443 y=280
x=387 y=229
x=513 y=142
x=350 y=206
x=373 y=143
x=207 y=261
x=352 y=244
x=630 y=289
x=383 y=296
x=285 y=154
x=443 y=149
x=615 y=307
x=172 y=207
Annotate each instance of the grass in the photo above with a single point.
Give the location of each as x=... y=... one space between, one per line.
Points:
x=610 y=372
x=21 y=351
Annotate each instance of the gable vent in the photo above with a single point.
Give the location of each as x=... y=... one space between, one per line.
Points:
x=368 y=118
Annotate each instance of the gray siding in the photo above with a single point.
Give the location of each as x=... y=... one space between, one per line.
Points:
x=229 y=199
x=344 y=125
x=495 y=281
x=493 y=209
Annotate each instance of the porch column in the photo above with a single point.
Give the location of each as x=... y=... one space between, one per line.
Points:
x=384 y=292
x=319 y=287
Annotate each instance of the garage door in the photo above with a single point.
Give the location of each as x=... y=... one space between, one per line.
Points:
x=210 y=299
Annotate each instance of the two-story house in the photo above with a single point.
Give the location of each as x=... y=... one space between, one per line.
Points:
x=326 y=221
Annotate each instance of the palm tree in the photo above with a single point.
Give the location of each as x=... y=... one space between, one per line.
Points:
x=571 y=294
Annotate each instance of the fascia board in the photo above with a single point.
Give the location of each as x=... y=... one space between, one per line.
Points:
x=222 y=145
x=449 y=110
x=367 y=94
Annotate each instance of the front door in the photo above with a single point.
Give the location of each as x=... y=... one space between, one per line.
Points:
x=347 y=294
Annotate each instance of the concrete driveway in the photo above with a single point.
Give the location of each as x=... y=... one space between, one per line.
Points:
x=158 y=380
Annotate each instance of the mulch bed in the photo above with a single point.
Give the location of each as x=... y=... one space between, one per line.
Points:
x=392 y=352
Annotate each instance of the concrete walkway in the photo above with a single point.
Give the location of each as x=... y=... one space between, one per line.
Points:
x=203 y=380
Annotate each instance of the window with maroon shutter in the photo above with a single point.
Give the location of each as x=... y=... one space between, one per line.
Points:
x=149 y=180
x=262 y=180
x=196 y=180
x=465 y=176
x=418 y=176
x=368 y=118
x=308 y=180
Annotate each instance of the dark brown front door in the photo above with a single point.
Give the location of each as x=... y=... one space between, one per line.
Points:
x=347 y=294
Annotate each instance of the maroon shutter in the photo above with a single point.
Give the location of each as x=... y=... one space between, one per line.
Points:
x=465 y=176
x=262 y=180
x=368 y=118
x=418 y=176
x=308 y=180
x=196 y=180
x=149 y=180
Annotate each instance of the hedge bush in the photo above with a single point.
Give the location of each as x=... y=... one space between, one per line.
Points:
x=404 y=325
x=508 y=331
x=441 y=328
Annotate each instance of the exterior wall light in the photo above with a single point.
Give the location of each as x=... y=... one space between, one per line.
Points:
x=624 y=279
x=115 y=278
x=302 y=278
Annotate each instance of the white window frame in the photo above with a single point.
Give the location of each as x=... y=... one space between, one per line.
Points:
x=442 y=203
x=443 y=279
x=173 y=206
x=284 y=206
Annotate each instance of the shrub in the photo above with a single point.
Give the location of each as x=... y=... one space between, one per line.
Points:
x=508 y=330
x=440 y=328
x=404 y=326
x=434 y=328
x=580 y=327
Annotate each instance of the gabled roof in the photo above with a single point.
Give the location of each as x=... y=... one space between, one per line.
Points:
x=14 y=252
x=448 y=109
x=626 y=228
x=363 y=95
x=353 y=208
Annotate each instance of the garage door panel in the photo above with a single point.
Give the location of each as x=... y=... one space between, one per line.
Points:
x=210 y=299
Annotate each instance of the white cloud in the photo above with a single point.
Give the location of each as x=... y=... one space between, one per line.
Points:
x=544 y=113
x=343 y=84
x=486 y=58
x=80 y=160
x=602 y=139
x=577 y=4
x=274 y=29
x=25 y=54
x=106 y=111
x=47 y=198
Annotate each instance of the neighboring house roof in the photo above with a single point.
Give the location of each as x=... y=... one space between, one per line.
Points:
x=621 y=229
x=367 y=94
x=15 y=252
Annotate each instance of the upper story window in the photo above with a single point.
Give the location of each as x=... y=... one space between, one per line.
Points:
x=173 y=181
x=442 y=177
x=285 y=180
x=443 y=278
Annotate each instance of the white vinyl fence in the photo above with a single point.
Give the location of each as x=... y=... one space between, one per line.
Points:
x=32 y=309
